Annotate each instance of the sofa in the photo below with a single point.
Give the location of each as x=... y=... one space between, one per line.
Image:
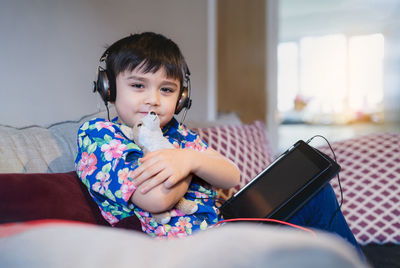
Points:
x=48 y=219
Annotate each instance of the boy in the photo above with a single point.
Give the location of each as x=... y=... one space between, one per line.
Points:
x=146 y=72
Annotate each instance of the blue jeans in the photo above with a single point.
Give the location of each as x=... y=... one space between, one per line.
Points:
x=317 y=214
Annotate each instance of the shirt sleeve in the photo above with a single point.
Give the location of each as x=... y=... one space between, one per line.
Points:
x=105 y=161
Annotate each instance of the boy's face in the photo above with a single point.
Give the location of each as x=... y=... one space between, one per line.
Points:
x=139 y=93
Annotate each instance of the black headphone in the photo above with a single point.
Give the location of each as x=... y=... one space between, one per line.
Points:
x=106 y=86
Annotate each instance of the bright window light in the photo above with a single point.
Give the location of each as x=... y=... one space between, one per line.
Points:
x=337 y=79
x=366 y=69
x=323 y=72
x=288 y=75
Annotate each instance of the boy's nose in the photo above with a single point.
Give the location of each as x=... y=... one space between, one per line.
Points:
x=153 y=98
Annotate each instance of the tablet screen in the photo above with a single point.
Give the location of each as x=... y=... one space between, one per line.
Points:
x=278 y=183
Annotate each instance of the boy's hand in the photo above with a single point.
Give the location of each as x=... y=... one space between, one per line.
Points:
x=168 y=166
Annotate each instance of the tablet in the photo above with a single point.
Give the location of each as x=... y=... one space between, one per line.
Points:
x=284 y=186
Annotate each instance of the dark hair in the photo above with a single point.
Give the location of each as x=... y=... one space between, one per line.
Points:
x=149 y=51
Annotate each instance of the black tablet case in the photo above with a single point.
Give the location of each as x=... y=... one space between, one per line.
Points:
x=254 y=200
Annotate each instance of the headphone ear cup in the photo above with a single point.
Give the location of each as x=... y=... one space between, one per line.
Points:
x=184 y=101
x=102 y=85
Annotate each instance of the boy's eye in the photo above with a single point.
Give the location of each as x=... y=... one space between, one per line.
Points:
x=167 y=90
x=136 y=85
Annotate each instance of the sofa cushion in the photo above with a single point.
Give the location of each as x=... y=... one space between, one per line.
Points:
x=25 y=197
x=37 y=149
x=246 y=145
x=53 y=149
x=62 y=244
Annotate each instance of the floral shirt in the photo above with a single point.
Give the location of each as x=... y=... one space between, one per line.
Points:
x=105 y=161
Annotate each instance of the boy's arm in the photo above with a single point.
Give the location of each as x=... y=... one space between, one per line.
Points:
x=169 y=167
x=160 y=198
x=214 y=168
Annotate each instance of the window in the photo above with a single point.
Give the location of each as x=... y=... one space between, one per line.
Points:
x=331 y=79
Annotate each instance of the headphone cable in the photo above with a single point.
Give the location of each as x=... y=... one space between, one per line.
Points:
x=108 y=111
x=338 y=179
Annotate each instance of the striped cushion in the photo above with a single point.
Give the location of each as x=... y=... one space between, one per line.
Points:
x=246 y=145
x=370 y=179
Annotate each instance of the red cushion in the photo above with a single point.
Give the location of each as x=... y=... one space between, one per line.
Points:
x=33 y=196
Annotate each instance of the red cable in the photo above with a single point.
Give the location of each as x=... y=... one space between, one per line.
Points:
x=269 y=220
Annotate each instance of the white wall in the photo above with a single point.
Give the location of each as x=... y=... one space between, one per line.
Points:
x=49 y=52
x=392 y=71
